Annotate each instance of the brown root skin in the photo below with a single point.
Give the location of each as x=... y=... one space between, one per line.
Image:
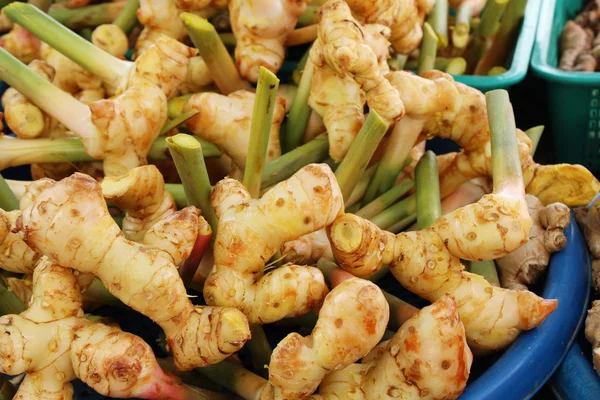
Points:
x=15 y=254
x=433 y=339
x=574 y=40
x=525 y=265
x=143 y=277
x=22 y=44
x=225 y=121
x=351 y=322
x=589 y=222
x=592 y=332
x=427 y=263
x=251 y=231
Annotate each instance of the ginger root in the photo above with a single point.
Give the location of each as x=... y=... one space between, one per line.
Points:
x=21 y=43
x=348 y=71
x=525 y=265
x=308 y=249
x=427 y=358
x=84 y=236
x=589 y=222
x=226 y=120
x=53 y=343
x=112 y=39
x=428 y=263
x=351 y=322
x=574 y=40
x=592 y=332
x=251 y=231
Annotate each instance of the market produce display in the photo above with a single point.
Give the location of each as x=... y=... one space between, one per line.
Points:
x=252 y=220
x=580 y=41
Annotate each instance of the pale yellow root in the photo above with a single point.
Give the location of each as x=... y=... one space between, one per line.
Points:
x=465 y=122
x=112 y=39
x=427 y=262
x=343 y=50
x=23 y=117
x=261 y=28
x=21 y=43
x=592 y=332
x=198 y=76
x=525 y=265
x=427 y=358
x=351 y=322
x=141 y=193
x=251 y=231
x=37 y=341
x=53 y=343
x=308 y=249
x=142 y=277
x=226 y=120
x=15 y=254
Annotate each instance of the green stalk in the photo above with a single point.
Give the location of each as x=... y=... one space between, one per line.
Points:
x=87 y=16
x=260 y=130
x=438 y=19
x=309 y=17
x=487 y=269
x=385 y=200
x=299 y=70
x=189 y=161
x=456 y=66
x=86 y=33
x=441 y=63
x=9 y=302
x=213 y=51
x=428 y=49
x=395 y=156
x=7 y=390
x=260 y=349
x=362 y=149
x=490 y=17
x=176 y=104
x=497 y=52
x=178 y=193
x=95 y=60
x=403 y=224
x=398 y=62
x=235 y=378
x=299 y=112
x=535 y=134
x=460 y=35
x=396 y=213
x=289 y=163
x=227 y=38
x=487 y=27
x=127 y=18
x=361 y=187
x=69 y=111
x=17 y=152
x=427 y=193
x=8 y=200
x=506 y=166
x=179 y=120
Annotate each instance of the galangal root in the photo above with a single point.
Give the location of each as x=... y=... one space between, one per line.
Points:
x=348 y=72
x=351 y=322
x=525 y=265
x=465 y=122
x=53 y=344
x=226 y=120
x=427 y=358
x=143 y=277
x=428 y=263
x=251 y=231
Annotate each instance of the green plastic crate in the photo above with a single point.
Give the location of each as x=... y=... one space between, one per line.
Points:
x=520 y=57
x=573 y=97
